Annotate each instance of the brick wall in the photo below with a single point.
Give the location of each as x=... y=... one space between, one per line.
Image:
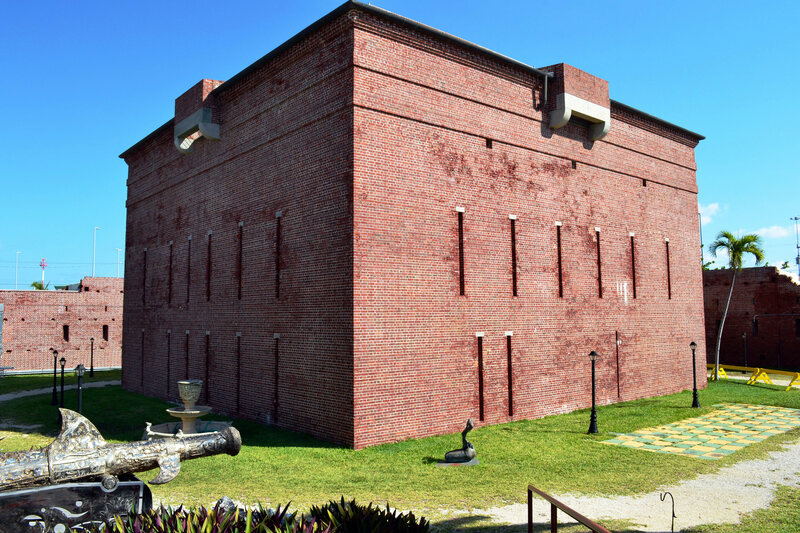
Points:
x=764 y=316
x=285 y=147
x=367 y=134
x=34 y=321
x=422 y=123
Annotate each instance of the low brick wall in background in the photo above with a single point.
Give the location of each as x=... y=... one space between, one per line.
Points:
x=35 y=322
x=763 y=324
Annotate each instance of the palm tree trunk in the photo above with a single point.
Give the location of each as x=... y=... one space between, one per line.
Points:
x=721 y=325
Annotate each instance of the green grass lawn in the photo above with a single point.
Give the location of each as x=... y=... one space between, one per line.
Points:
x=18 y=382
x=553 y=453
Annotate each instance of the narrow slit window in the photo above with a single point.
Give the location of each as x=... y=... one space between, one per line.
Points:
x=599 y=265
x=669 y=274
x=644 y=183
x=797 y=327
x=105 y=332
x=141 y=363
x=238 y=370
x=169 y=278
x=510 y=382
x=239 y=262
x=633 y=265
x=616 y=346
x=208 y=269
x=558 y=254
x=480 y=378
x=513 y=219
x=278 y=217
x=489 y=143
x=169 y=360
x=460 y=211
x=574 y=165
x=207 y=386
x=189 y=270
x=65 y=333
x=144 y=276
x=275 y=401
x=755 y=327
x=186 y=354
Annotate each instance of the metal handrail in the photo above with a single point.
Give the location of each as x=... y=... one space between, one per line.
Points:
x=555 y=505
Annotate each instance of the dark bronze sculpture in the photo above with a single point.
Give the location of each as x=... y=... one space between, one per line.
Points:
x=80 y=477
x=467 y=452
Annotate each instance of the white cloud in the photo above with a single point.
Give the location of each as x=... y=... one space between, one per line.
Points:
x=721 y=260
x=708 y=211
x=774 y=232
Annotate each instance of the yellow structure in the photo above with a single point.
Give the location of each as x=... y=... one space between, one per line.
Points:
x=757 y=374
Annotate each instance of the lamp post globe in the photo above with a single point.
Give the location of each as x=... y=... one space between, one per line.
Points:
x=695 y=399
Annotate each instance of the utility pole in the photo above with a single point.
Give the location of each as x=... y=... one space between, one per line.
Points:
x=700 y=225
x=94 y=247
x=16 y=271
x=797 y=243
x=118 y=251
x=43 y=264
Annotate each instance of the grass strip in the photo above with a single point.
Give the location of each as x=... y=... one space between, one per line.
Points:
x=552 y=453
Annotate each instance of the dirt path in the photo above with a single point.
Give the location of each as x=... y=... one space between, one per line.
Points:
x=716 y=498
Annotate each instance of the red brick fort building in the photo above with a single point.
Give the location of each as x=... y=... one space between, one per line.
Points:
x=379 y=230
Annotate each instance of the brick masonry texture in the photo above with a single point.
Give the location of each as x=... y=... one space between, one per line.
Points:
x=765 y=307
x=33 y=325
x=367 y=133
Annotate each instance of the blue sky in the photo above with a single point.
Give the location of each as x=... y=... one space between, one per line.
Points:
x=86 y=80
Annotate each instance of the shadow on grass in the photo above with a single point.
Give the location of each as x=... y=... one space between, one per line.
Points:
x=121 y=415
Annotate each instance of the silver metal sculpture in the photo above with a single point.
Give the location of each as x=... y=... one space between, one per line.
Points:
x=81 y=452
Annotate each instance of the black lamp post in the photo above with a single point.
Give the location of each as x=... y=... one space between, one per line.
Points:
x=593 y=420
x=54 y=400
x=91 y=360
x=63 y=362
x=79 y=371
x=695 y=400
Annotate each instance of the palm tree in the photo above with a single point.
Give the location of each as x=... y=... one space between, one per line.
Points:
x=736 y=248
x=37 y=285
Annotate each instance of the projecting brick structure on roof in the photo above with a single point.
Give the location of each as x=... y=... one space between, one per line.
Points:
x=379 y=230
x=36 y=322
x=763 y=324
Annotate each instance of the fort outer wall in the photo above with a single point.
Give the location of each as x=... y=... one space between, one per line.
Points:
x=438 y=129
x=34 y=323
x=306 y=264
x=240 y=252
x=764 y=316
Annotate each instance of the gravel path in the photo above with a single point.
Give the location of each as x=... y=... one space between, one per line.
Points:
x=34 y=392
x=716 y=498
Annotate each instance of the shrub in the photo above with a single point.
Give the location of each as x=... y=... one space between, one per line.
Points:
x=225 y=517
x=350 y=517
x=221 y=518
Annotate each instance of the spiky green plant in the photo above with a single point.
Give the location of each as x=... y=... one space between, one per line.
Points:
x=217 y=519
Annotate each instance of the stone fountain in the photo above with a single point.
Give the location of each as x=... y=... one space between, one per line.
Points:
x=189 y=390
